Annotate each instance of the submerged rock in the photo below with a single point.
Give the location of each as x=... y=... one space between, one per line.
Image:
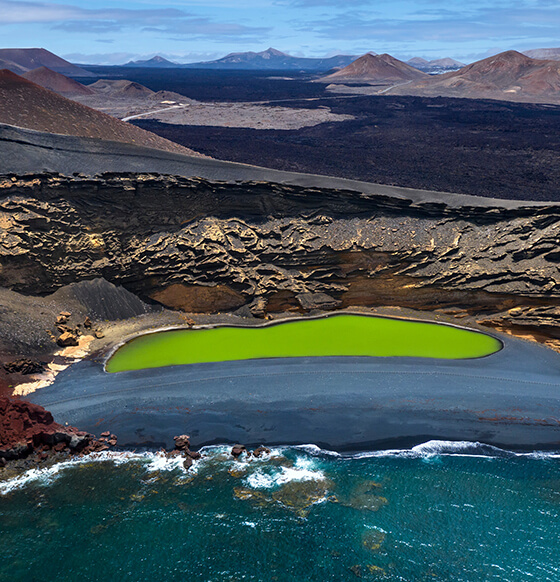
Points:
x=373 y=539
x=260 y=451
x=364 y=496
x=299 y=496
x=238 y=450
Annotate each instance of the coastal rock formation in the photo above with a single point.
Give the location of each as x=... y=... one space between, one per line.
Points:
x=27 y=427
x=238 y=450
x=206 y=246
x=183 y=446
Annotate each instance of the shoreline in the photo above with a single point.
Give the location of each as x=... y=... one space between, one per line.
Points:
x=18 y=473
x=494 y=400
x=509 y=399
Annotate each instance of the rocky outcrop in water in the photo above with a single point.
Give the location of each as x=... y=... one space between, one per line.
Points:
x=28 y=430
x=198 y=245
x=27 y=427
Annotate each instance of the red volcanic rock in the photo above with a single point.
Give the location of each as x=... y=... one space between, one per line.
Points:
x=25 y=427
x=262 y=450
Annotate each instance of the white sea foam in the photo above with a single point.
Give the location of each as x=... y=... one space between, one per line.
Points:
x=434 y=448
x=156 y=462
x=160 y=462
x=44 y=476
x=265 y=476
x=301 y=471
x=316 y=451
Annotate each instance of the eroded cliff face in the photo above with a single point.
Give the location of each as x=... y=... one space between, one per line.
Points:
x=206 y=246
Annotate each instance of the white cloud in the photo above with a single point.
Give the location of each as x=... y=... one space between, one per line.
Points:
x=109 y=20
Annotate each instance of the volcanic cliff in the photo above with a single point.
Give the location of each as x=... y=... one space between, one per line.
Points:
x=206 y=246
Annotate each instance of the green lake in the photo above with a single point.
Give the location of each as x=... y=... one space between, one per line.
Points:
x=337 y=335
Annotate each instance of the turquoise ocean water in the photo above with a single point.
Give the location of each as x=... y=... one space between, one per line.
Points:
x=438 y=512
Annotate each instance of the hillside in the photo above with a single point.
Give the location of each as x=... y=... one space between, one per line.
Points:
x=121 y=88
x=272 y=59
x=510 y=76
x=375 y=69
x=28 y=105
x=57 y=82
x=33 y=58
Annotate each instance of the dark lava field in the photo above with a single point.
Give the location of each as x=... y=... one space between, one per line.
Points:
x=482 y=147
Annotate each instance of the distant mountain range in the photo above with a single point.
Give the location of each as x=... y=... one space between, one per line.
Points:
x=156 y=62
x=435 y=66
x=273 y=59
x=552 y=54
x=373 y=68
x=511 y=76
x=270 y=59
x=22 y=60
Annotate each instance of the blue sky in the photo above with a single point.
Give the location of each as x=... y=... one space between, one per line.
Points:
x=98 y=31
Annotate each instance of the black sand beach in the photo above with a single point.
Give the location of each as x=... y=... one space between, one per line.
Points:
x=510 y=399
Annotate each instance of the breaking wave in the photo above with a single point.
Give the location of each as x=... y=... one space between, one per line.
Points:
x=261 y=473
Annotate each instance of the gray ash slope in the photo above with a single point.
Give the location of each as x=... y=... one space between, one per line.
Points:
x=29 y=152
